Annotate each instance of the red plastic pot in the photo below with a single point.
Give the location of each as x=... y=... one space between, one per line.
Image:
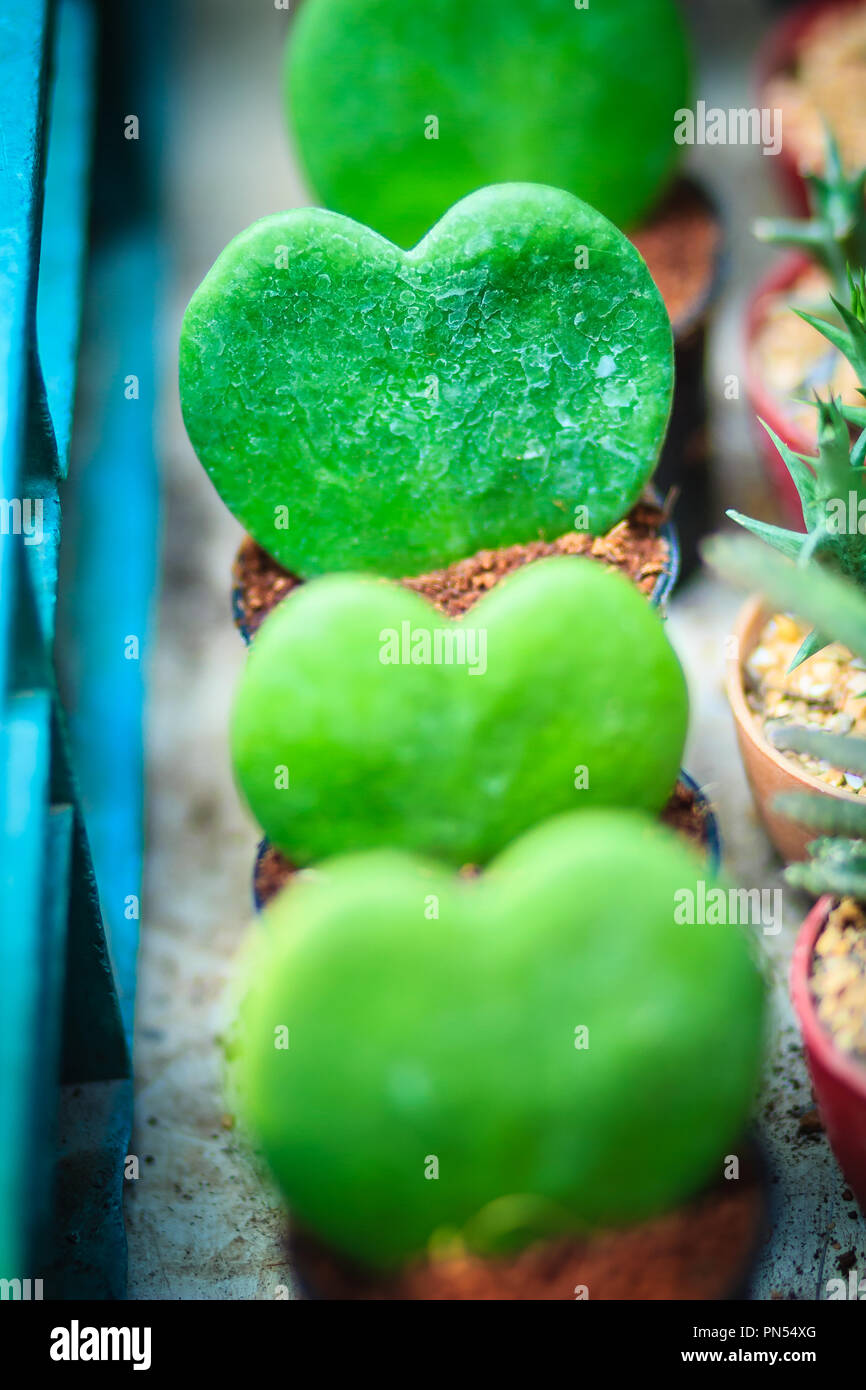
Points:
x=766 y=406
x=839 y=1082
x=777 y=54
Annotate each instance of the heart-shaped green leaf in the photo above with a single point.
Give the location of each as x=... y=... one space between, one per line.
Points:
x=413 y=1047
x=400 y=109
x=359 y=407
x=364 y=718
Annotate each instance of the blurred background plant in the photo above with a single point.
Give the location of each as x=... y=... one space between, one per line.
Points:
x=831 y=484
x=837 y=859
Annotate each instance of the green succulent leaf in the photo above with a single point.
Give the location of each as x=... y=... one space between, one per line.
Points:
x=800 y=467
x=834 y=233
x=833 y=467
x=525 y=90
x=818 y=879
x=483 y=388
x=812 y=643
x=841 y=750
x=789 y=543
x=830 y=813
x=829 y=601
x=835 y=866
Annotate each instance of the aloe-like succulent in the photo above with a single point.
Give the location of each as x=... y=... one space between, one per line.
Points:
x=834 y=233
x=837 y=860
x=832 y=485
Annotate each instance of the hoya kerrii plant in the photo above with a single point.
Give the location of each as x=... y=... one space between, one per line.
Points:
x=360 y=407
x=544 y=1035
x=837 y=858
x=831 y=485
x=363 y=717
x=399 y=110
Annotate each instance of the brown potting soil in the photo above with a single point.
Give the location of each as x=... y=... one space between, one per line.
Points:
x=683 y=813
x=838 y=980
x=634 y=546
x=681 y=245
x=700 y=1251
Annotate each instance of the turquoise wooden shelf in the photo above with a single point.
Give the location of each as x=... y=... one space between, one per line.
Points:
x=71 y=767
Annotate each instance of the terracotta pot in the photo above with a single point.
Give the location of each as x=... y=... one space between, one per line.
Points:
x=839 y=1081
x=765 y=404
x=777 y=54
x=768 y=771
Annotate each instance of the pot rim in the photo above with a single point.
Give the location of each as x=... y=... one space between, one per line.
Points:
x=817 y=1039
x=745 y=720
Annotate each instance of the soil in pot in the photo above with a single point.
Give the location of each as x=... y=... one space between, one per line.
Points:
x=681 y=244
x=686 y=812
x=826 y=692
x=817 y=73
x=635 y=546
x=703 y=1251
x=838 y=978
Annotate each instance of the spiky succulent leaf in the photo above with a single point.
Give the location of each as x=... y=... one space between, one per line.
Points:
x=834 y=233
x=812 y=235
x=840 y=750
x=832 y=467
x=832 y=603
x=789 y=543
x=811 y=644
x=836 y=866
x=834 y=814
x=800 y=466
x=849 y=337
x=833 y=495
x=818 y=879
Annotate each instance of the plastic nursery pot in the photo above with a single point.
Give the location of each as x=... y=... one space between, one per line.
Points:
x=777 y=55
x=684 y=248
x=705 y=1250
x=254 y=568
x=839 y=1082
x=768 y=771
x=271 y=870
x=765 y=405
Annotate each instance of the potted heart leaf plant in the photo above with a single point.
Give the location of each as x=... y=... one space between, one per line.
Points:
x=516 y=1086
x=443 y=415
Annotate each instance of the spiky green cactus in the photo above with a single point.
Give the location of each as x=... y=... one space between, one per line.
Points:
x=834 y=234
x=832 y=485
x=837 y=860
